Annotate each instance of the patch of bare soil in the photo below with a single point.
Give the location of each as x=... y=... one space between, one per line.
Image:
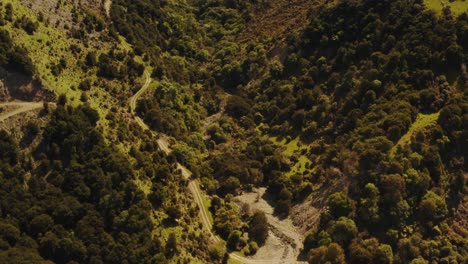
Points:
x=107 y=6
x=460 y=223
x=306 y=216
x=17 y=108
x=14 y=123
x=58 y=13
x=18 y=86
x=278 y=18
x=285 y=241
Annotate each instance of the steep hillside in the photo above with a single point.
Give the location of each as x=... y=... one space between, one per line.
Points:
x=65 y=50
x=164 y=131
x=351 y=87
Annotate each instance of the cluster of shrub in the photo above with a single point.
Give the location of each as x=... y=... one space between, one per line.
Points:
x=351 y=85
x=12 y=56
x=74 y=200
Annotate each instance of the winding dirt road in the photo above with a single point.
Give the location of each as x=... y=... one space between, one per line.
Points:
x=164 y=144
x=193 y=185
x=20 y=107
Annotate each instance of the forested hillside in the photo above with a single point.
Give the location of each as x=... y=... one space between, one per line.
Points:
x=165 y=121
x=359 y=79
x=372 y=97
x=80 y=183
x=75 y=205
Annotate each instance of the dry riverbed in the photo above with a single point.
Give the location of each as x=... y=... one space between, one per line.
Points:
x=284 y=242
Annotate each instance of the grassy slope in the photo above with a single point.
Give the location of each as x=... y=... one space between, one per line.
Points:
x=233 y=261
x=422 y=122
x=50 y=44
x=457 y=7
x=290 y=148
x=47 y=45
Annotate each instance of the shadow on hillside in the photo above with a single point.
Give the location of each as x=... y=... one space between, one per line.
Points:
x=271 y=198
x=23 y=87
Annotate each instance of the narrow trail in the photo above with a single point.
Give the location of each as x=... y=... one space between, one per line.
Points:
x=21 y=108
x=164 y=145
x=107 y=6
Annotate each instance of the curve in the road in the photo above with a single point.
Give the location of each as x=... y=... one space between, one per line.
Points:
x=22 y=107
x=163 y=144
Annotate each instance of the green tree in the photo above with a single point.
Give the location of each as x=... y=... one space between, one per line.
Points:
x=258 y=227
x=41 y=224
x=363 y=251
x=237 y=107
x=91 y=59
x=432 y=208
x=333 y=254
x=233 y=240
x=253 y=247
x=340 y=204
x=343 y=230
x=62 y=100
x=276 y=68
x=227 y=219
x=231 y=185
x=9 y=232
x=369 y=204
x=384 y=254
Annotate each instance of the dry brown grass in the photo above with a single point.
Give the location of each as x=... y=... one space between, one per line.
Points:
x=280 y=18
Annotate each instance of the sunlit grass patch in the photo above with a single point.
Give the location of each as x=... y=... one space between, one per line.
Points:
x=422 y=122
x=457 y=7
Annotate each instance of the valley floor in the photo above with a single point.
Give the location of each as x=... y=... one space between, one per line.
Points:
x=284 y=242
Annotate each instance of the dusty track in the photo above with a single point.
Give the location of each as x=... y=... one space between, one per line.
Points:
x=21 y=107
x=107 y=6
x=164 y=145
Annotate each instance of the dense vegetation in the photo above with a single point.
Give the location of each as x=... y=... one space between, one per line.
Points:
x=75 y=200
x=168 y=34
x=361 y=114
x=14 y=57
x=352 y=85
